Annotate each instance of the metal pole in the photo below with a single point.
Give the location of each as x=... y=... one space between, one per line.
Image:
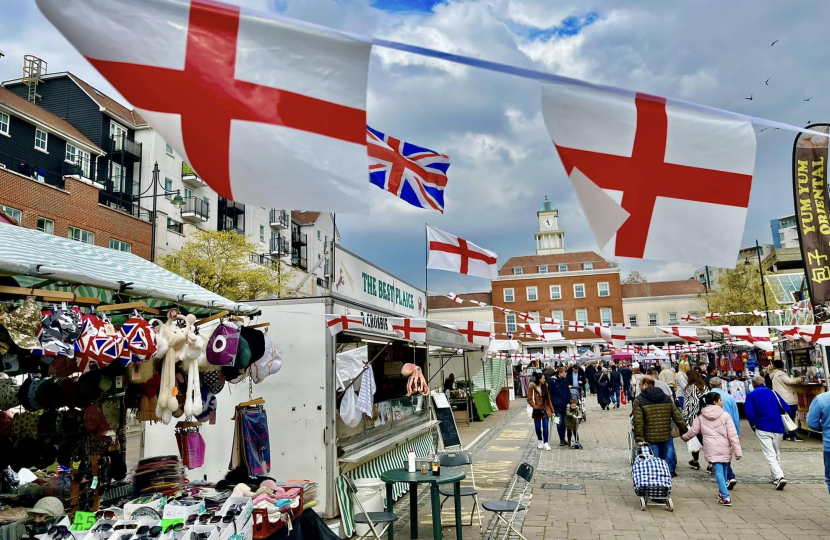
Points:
x=763 y=287
x=155 y=196
x=426 y=271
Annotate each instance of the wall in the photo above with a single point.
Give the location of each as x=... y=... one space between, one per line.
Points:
x=76 y=205
x=661 y=306
x=483 y=314
x=20 y=145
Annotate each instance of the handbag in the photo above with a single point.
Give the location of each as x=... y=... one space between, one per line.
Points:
x=789 y=423
x=623 y=399
x=529 y=411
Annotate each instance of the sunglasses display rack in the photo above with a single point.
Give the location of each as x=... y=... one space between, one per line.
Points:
x=83 y=489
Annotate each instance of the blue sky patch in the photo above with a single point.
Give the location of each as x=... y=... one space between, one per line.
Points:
x=570 y=26
x=406 y=5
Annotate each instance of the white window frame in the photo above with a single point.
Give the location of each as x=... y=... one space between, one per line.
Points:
x=654 y=322
x=117 y=172
x=673 y=318
x=510 y=319
x=117 y=130
x=512 y=295
x=607 y=289
x=7 y=123
x=563 y=267
x=558 y=292
x=694 y=314
x=518 y=271
x=584 y=315
x=583 y=290
x=534 y=315
x=83 y=235
x=74 y=155
x=262 y=233
x=13 y=213
x=168 y=149
x=543 y=269
x=558 y=314
x=588 y=265
x=632 y=320
x=169 y=191
x=119 y=245
x=535 y=292
x=46 y=220
x=603 y=311
x=45 y=148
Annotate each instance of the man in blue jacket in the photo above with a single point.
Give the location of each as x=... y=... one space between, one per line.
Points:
x=560 y=397
x=731 y=408
x=763 y=409
x=819 y=419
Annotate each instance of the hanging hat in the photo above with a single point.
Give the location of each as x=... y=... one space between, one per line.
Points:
x=95 y=421
x=32 y=397
x=25 y=424
x=5 y=340
x=5 y=424
x=147 y=410
x=97 y=445
x=140 y=338
x=214 y=381
x=70 y=392
x=91 y=326
x=20 y=361
x=209 y=403
x=23 y=394
x=270 y=363
x=112 y=413
x=89 y=387
x=72 y=421
x=49 y=394
x=8 y=394
x=63 y=366
x=60 y=329
x=49 y=425
x=256 y=341
x=243 y=354
x=105 y=349
x=223 y=345
x=22 y=324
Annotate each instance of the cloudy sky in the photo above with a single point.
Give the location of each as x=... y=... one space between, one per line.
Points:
x=503 y=163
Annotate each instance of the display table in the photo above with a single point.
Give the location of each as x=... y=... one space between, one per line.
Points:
x=448 y=476
x=481 y=400
x=806 y=392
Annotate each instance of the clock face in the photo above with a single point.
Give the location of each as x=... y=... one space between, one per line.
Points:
x=547 y=223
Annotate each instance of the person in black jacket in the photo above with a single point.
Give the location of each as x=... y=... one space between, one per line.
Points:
x=576 y=379
x=560 y=397
x=616 y=385
x=625 y=373
x=591 y=375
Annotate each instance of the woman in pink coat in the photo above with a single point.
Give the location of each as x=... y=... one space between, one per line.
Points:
x=720 y=440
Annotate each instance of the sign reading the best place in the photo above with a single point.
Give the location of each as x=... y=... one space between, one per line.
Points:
x=358 y=280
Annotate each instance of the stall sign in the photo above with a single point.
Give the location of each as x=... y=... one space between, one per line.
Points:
x=444 y=338
x=359 y=280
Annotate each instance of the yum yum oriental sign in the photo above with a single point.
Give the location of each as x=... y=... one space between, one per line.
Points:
x=359 y=280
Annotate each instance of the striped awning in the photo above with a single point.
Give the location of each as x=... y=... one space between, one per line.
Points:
x=33 y=256
x=491 y=378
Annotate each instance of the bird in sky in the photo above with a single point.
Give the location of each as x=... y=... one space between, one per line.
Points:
x=776 y=129
x=750 y=97
x=809 y=98
x=774 y=42
x=766 y=82
x=762 y=130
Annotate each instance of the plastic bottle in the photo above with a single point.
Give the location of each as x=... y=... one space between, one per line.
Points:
x=436 y=466
x=412 y=461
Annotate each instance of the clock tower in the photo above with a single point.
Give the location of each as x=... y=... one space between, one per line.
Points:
x=549 y=239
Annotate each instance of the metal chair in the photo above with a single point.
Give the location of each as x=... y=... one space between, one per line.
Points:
x=460 y=459
x=525 y=472
x=372 y=519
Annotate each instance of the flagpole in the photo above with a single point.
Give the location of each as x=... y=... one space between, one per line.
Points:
x=426 y=271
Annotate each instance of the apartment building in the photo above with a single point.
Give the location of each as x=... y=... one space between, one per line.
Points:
x=662 y=303
x=442 y=310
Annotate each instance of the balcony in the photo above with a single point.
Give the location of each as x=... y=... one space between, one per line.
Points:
x=123 y=146
x=80 y=168
x=298 y=261
x=264 y=259
x=279 y=246
x=196 y=210
x=190 y=178
x=298 y=238
x=34 y=172
x=279 y=219
x=123 y=186
x=116 y=202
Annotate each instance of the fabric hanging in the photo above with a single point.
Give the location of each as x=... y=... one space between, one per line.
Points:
x=366 y=397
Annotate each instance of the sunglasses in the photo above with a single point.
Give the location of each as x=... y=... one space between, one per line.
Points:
x=105 y=514
x=60 y=532
x=103 y=527
x=145 y=530
x=174 y=527
x=201 y=535
x=125 y=526
x=57 y=529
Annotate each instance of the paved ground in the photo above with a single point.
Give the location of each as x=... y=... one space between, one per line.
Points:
x=604 y=506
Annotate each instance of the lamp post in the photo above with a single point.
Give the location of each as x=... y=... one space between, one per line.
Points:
x=763 y=286
x=177 y=200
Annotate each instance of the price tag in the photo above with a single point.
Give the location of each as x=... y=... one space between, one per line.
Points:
x=94 y=482
x=83 y=521
x=119 y=382
x=165 y=523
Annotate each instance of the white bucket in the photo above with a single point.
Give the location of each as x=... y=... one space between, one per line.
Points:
x=370 y=494
x=334 y=525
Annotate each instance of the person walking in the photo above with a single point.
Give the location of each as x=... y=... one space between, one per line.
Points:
x=818 y=419
x=654 y=374
x=667 y=376
x=783 y=385
x=720 y=441
x=636 y=379
x=560 y=396
x=574 y=415
x=731 y=408
x=538 y=397
x=625 y=373
x=691 y=407
x=590 y=375
x=763 y=409
x=615 y=384
x=683 y=366
x=654 y=412
x=682 y=380
x=604 y=389
x=576 y=379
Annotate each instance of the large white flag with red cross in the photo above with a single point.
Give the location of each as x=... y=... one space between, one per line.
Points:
x=412 y=329
x=266 y=111
x=614 y=335
x=339 y=323
x=475 y=332
x=818 y=333
x=647 y=172
x=757 y=335
x=454 y=254
x=683 y=332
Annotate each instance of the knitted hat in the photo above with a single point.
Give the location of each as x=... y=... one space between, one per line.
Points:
x=22 y=324
x=147 y=410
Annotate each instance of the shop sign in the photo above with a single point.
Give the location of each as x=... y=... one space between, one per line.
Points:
x=813 y=210
x=445 y=338
x=361 y=281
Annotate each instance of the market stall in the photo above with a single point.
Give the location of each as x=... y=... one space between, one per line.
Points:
x=805 y=359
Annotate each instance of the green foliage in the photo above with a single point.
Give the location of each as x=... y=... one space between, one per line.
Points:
x=739 y=290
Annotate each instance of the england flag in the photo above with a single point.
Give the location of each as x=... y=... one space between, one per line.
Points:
x=454 y=254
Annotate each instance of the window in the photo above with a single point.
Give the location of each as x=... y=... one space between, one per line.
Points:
x=694 y=314
x=4 y=123
x=579 y=290
x=652 y=319
x=174 y=226
x=81 y=235
x=563 y=267
x=511 y=322
x=508 y=295
x=262 y=233
x=45 y=225
x=518 y=271
x=532 y=294
x=119 y=180
x=168 y=149
x=603 y=289
x=118 y=133
x=582 y=316
x=632 y=320
x=588 y=266
x=79 y=158
x=605 y=315
x=672 y=318
x=41 y=137
x=318 y=234
x=556 y=292
x=168 y=186
x=13 y=213
x=543 y=269
x=557 y=314
x=188 y=193
x=534 y=315
x=121 y=246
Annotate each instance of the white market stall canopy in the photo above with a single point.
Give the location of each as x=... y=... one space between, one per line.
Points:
x=98 y=272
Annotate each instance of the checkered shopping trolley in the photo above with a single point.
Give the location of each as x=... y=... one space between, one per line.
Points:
x=652 y=479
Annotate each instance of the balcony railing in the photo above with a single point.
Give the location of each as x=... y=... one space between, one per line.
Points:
x=80 y=166
x=196 y=209
x=123 y=143
x=116 y=202
x=298 y=238
x=122 y=185
x=190 y=177
x=264 y=259
x=279 y=246
x=34 y=172
x=279 y=219
x=299 y=261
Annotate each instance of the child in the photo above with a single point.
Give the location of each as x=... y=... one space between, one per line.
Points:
x=573 y=416
x=720 y=440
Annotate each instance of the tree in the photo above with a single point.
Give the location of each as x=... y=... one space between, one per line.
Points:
x=634 y=277
x=739 y=290
x=220 y=261
x=613 y=263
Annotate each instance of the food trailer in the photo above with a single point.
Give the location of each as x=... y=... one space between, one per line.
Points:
x=809 y=360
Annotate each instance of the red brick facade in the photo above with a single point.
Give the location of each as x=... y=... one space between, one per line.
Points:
x=76 y=205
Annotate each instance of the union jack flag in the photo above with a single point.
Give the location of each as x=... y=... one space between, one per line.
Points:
x=416 y=174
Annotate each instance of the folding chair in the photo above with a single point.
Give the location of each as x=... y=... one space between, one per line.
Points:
x=460 y=459
x=525 y=472
x=372 y=519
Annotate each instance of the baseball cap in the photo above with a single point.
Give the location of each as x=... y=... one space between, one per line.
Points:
x=61 y=328
x=22 y=324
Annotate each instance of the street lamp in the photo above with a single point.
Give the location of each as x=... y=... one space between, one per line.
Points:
x=761 y=270
x=176 y=201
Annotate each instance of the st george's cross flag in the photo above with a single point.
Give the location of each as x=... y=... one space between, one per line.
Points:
x=817 y=333
x=476 y=332
x=339 y=323
x=638 y=162
x=683 y=332
x=615 y=335
x=757 y=335
x=411 y=329
x=551 y=332
x=413 y=173
x=265 y=110
x=454 y=297
x=454 y=254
